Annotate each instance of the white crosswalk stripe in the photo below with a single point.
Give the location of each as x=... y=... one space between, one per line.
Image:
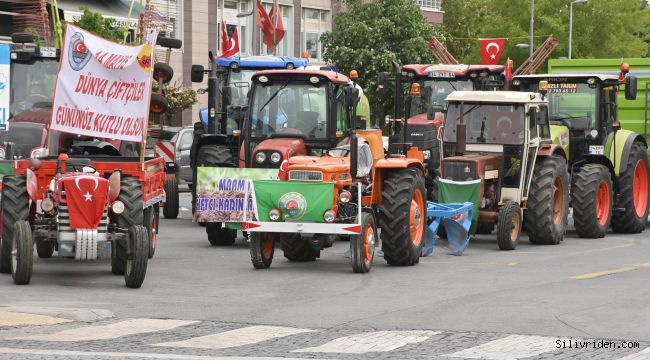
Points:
x=110 y=331
x=641 y=355
x=378 y=341
x=239 y=337
x=509 y=348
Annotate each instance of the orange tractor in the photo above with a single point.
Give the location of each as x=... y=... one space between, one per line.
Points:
x=349 y=189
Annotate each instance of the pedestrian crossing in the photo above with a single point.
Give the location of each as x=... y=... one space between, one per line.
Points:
x=204 y=340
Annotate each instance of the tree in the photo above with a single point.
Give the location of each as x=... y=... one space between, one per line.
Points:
x=99 y=25
x=368 y=37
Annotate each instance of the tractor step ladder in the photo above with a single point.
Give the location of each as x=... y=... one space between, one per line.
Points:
x=540 y=55
x=441 y=53
x=645 y=110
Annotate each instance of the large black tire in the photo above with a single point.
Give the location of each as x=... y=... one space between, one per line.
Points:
x=631 y=211
x=592 y=199
x=138 y=256
x=23 y=251
x=15 y=207
x=158 y=104
x=362 y=246
x=170 y=43
x=404 y=197
x=162 y=71
x=131 y=196
x=218 y=236
x=44 y=249
x=151 y=223
x=547 y=215
x=485 y=228
x=262 y=247
x=509 y=226
x=170 y=207
x=299 y=249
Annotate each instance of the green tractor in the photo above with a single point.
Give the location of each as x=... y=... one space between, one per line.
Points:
x=608 y=165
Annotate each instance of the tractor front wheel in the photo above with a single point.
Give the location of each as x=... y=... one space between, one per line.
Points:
x=131 y=196
x=297 y=248
x=137 y=257
x=220 y=236
x=592 y=199
x=632 y=204
x=22 y=253
x=170 y=207
x=262 y=248
x=15 y=207
x=362 y=246
x=151 y=217
x=44 y=249
x=509 y=226
x=403 y=216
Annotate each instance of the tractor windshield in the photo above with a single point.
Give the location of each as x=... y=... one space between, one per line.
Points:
x=32 y=86
x=573 y=103
x=239 y=83
x=434 y=93
x=21 y=139
x=289 y=108
x=486 y=123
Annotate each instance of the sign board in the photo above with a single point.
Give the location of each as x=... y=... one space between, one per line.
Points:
x=562 y=88
x=103 y=88
x=5 y=78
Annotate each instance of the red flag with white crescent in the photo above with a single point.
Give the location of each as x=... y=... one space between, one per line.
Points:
x=86 y=198
x=491 y=50
x=283 y=172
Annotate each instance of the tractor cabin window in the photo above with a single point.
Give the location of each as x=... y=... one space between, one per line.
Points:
x=574 y=104
x=486 y=123
x=434 y=93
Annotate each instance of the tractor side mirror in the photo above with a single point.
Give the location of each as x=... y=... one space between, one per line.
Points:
x=433 y=110
x=169 y=43
x=383 y=85
x=630 y=87
x=197 y=73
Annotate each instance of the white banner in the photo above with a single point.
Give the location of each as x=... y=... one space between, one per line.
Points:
x=5 y=78
x=103 y=88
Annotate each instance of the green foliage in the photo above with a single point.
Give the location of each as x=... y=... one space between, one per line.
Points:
x=35 y=35
x=368 y=37
x=98 y=25
x=179 y=98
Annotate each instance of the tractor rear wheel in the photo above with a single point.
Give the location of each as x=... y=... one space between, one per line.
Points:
x=592 y=199
x=297 y=248
x=22 y=253
x=131 y=196
x=509 y=226
x=15 y=207
x=170 y=207
x=44 y=249
x=632 y=203
x=362 y=246
x=403 y=216
x=262 y=248
x=548 y=201
x=137 y=258
x=151 y=217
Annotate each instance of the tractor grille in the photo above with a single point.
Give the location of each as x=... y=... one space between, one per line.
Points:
x=305 y=175
x=459 y=171
x=64 y=219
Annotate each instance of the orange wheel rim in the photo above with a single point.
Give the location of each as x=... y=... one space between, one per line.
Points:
x=516 y=227
x=640 y=188
x=558 y=201
x=416 y=218
x=368 y=243
x=602 y=202
x=267 y=247
x=156 y=108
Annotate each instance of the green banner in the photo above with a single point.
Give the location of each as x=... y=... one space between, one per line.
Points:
x=297 y=200
x=460 y=192
x=7 y=168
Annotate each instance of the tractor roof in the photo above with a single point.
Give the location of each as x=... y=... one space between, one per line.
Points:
x=457 y=69
x=329 y=75
x=601 y=77
x=495 y=96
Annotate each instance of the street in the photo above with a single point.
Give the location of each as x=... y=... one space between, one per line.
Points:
x=203 y=302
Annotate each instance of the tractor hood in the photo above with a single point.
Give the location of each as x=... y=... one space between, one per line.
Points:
x=86 y=197
x=287 y=147
x=310 y=168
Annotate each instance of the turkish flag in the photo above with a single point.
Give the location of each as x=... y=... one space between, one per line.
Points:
x=232 y=46
x=491 y=50
x=508 y=70
x=278 y=25
x=265 y=23
x=225 y=41
x=86 y=198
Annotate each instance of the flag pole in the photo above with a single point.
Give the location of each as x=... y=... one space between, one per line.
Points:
x=276 y=12
x=220 y=39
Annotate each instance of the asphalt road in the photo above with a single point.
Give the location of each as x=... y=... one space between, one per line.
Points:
x=203 y=302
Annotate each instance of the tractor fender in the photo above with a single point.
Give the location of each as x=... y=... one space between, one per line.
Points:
x=619 y=151
x=601 y=160
x=552 y=149
x=381 y=167
x=205 y=139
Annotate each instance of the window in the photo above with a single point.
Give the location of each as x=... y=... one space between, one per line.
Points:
x=429 y=4
x=170 y=22
x=186 y=140
x=229 y=10
x=285 y=46
x=314 y=23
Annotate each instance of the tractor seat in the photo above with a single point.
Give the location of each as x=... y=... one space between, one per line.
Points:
x=76 y=164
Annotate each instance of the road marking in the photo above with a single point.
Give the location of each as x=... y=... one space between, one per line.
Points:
x=641 y=355
x=596 y=274
x=378 y=341
x=509 y=348
x=110 y=331
x=10 y=318
x=121 y=355
x=244 y=336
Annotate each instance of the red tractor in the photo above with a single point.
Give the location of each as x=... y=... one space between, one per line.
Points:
x=85 y=208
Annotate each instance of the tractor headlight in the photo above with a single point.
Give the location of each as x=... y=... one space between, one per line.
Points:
x=47 y=205
x=276 y=157
x=37 y=153
x=329 y=216
x=275 y=214
x=345 y=196
x=427 y=154
x=3 y=153
x=516 y=82
x=117 y=207
x=591 y=81
x=260 y=157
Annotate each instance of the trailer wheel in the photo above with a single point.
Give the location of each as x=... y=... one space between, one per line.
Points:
x=162 y=71
x=403 y=217
x=22 y=253
x=591 y=198
x=548 y=201
x=151 y=218
x=170 y=207
x=509 y=226
x=137 y=257
x=158 y=104
x=44 y=249
x=633 y=197
x=297 y=248
x=262 y=248
x=218 y=236
x=15 y=207
x=363 y=245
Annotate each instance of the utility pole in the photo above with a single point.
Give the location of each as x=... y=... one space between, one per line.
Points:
x=532 y=25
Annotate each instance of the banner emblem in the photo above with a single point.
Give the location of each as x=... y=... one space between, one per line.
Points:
x=293 y=205
x=79 y=54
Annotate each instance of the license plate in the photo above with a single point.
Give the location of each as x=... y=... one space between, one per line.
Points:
x=596 y=150
x=440 y=74
x=48 y=52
